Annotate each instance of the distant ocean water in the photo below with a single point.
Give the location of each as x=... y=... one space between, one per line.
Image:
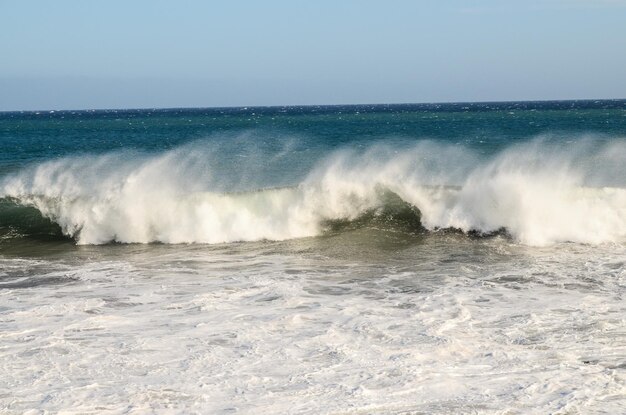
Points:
x=431 y=258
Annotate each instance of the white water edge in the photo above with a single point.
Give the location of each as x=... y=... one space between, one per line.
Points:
x=487 y=327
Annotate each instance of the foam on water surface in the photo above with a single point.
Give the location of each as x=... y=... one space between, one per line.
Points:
x=463 y=326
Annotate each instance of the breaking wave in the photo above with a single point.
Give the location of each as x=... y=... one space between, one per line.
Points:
x=539 y=193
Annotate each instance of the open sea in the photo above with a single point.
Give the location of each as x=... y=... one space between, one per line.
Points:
x=367 y=259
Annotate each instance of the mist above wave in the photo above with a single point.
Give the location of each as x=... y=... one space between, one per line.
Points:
x=541 y=193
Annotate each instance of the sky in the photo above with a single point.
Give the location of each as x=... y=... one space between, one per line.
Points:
x=77 y=54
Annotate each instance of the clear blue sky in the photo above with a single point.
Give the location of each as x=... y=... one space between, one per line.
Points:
x=73 y=54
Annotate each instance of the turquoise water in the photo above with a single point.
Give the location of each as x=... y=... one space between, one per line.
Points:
x=435 y=258
x=36 y=136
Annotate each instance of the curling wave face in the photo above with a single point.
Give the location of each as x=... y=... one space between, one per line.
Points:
x=539 y=193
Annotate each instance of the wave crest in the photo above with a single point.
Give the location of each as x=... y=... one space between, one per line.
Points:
x=539 y=193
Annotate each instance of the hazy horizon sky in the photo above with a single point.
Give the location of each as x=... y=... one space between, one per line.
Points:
x=71 y=54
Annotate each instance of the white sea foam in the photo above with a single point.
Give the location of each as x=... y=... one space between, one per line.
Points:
x=446 y=326
x=539 y=193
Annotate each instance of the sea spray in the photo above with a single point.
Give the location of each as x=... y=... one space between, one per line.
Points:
x=538 y=192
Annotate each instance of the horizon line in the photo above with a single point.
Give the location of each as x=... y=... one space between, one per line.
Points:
x=50 y=110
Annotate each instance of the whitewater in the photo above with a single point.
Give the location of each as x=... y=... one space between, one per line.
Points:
x=453 y=258
x=538 y=193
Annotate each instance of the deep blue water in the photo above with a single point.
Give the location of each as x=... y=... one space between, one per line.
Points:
x=34 y=136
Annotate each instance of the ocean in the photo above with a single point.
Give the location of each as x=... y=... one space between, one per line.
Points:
x=358 y=259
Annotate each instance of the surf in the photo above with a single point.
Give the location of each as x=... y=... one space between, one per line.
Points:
x=538 y=193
